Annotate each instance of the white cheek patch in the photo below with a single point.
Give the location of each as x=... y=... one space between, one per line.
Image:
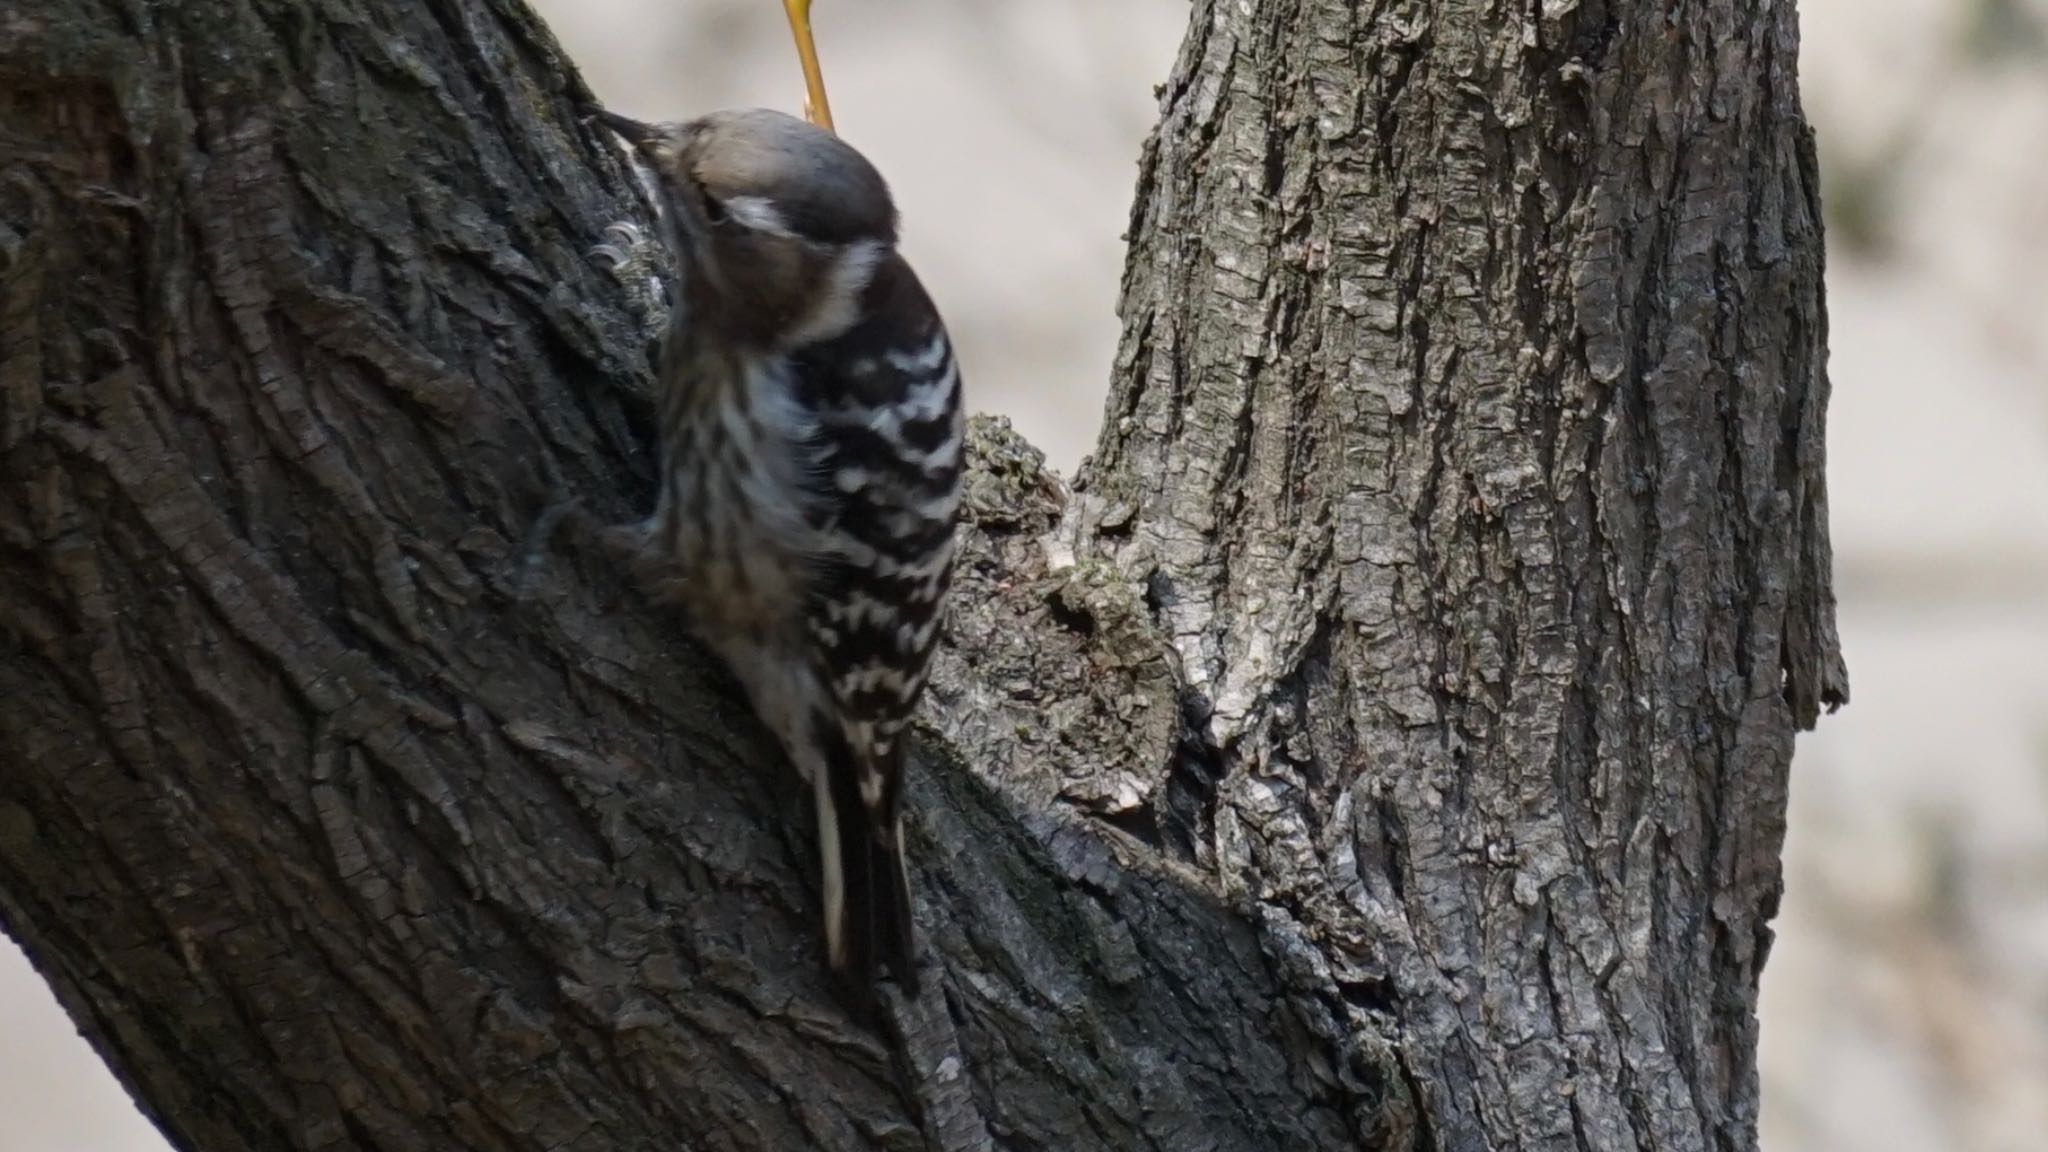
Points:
x=759 y=214
x=838 y=306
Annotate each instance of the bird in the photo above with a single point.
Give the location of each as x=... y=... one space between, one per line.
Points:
x=811 y=436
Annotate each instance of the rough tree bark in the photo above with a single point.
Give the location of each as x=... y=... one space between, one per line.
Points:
x=1383 y=744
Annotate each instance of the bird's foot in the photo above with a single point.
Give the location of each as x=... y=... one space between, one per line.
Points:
x=638 y=262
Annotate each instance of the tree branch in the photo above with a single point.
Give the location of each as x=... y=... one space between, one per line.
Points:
x=336 y=820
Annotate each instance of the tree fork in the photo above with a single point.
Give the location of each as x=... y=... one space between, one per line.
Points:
x=1383 y=744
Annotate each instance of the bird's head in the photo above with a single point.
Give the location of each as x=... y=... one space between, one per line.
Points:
x=779 y=225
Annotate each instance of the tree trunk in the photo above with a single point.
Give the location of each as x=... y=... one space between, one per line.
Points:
x=1382 y=745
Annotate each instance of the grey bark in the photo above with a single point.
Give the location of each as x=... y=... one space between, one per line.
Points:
x=1382 y=744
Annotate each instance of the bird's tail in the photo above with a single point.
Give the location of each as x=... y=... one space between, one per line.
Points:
x=868 y=923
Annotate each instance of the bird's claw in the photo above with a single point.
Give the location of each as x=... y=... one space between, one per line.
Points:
x=638 y=265
x=629 y=239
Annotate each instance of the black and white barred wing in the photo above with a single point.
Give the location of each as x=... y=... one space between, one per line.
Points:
x=886 y=400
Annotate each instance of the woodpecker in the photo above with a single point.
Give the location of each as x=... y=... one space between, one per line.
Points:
x=810 y=438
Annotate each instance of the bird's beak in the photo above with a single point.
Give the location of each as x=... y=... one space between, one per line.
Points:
x=816 y=109
x=632 y=131
x=684 y=227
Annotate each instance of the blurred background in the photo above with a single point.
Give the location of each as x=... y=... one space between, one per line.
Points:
x=1906 y=1005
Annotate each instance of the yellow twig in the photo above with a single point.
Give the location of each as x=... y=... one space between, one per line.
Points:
x=816 y=109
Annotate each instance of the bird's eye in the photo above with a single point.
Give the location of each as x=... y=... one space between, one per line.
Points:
x=713 y=210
